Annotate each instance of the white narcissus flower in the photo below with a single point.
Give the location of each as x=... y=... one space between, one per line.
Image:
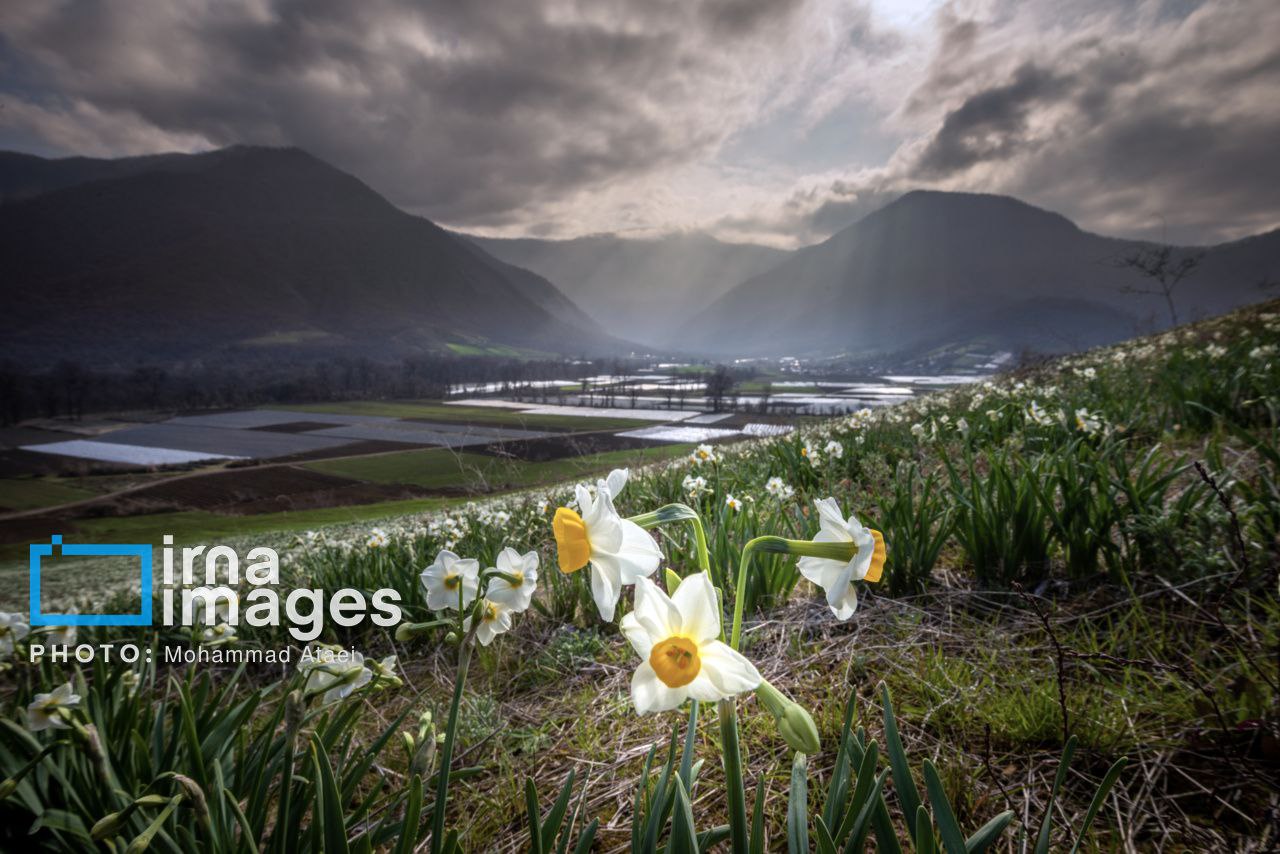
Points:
x=448 y=576
x=524 y=568
x=49 y=710
x=836 y=577
x=1087 y=422
x=377 y=539
x=678 y=640
x=384 y=672
x=13 y=628
x=703 y=454
x=778 y=489
x=618 y=550
x=694 y=486
x=218 y=635
x=61 y=635
x=335 y=672
x=1038 y=415
x=834 y=449
x=732 y=503
x=495 y=618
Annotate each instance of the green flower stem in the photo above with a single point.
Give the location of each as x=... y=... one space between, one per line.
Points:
x=450 y=736
x=779 y=545
x=727 y=711
x=679 y=513
x=11 y=784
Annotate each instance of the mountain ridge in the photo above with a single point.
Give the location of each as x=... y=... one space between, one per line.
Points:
x=931 y=261
x=259 y=242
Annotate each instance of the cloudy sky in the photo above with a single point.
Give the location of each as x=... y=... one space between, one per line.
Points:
x=765 y=120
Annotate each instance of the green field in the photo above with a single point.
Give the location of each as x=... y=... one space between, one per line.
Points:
x=30 y=493
x=439 y=468
x=434 y=410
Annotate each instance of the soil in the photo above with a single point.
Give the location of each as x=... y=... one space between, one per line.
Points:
x=559 y=447
x=296 y=427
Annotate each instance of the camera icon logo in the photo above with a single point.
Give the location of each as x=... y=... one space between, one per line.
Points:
x=55 y=547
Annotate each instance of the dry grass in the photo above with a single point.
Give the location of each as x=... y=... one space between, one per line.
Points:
x=974 y=678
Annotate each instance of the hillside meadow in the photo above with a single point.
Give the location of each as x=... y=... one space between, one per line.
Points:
x=1063 y=632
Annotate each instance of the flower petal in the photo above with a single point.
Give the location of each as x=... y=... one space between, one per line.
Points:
x=637 y=635
x=699 y=608
x=509 y=561
x=606 y=586
x=637 y=554
x=729 y=670
x=616 y=480
x=843 y=601
x=650 y=694
x=829 y=515
x=817 y=569
x=655 y=612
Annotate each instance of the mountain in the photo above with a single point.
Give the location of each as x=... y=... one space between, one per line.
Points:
x=935 y=268
x=24 y=176
x=642 y=288
x=251 y=252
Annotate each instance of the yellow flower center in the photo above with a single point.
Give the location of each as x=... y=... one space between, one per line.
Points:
x=877 y=558
x=452 y=580
x=676 y=661
x=517 y=580
x=573 y=549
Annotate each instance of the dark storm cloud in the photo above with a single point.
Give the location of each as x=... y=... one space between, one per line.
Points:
x=989 y=125
x=466 y=110
x=1164 y=128
x=571 y=116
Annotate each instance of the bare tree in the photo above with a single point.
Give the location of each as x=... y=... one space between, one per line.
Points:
x=719 y=384
x=1163 y=270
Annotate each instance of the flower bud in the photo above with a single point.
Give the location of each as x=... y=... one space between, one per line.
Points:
x=451 y=638
x=294 y=709
x=195 y=795
x=405 y=632
x=794 y=722
x=798 y=730
x=108 y=825
x=673 y=581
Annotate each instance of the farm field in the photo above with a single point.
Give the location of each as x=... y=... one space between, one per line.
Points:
x=440 y=411
x=28 y=493
x=442 y=469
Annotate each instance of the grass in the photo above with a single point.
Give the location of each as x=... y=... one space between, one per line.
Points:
x=490 y=416
x=30 y=493
x=493 y=350
x=440 y=468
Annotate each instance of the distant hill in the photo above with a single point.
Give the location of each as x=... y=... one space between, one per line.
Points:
x=936 y=268
x=253 y=252
x=640 y=288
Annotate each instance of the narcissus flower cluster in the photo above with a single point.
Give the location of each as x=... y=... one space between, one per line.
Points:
x=678 y=637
